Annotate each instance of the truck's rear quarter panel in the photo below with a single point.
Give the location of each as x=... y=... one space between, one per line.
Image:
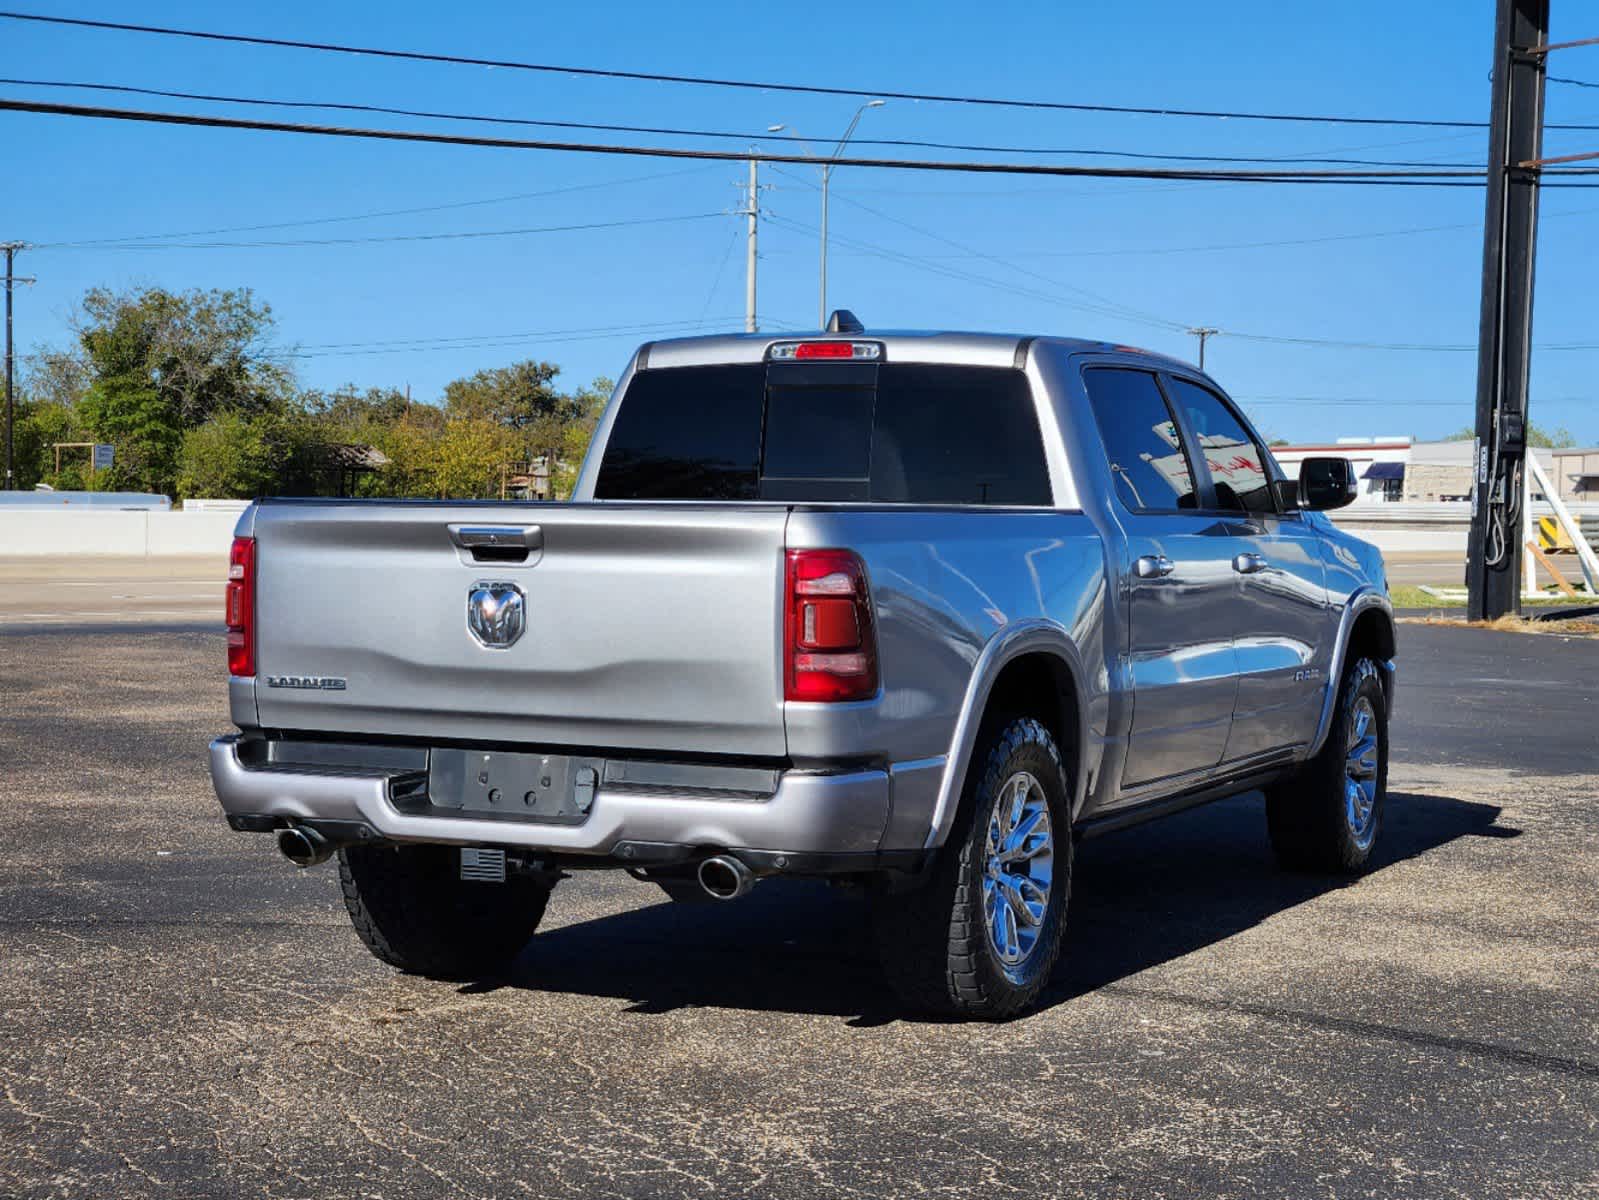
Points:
x=945 y=584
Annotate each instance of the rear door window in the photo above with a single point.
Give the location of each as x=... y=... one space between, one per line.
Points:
x=1147 y=459
x=1237 y=463
x=895 y=433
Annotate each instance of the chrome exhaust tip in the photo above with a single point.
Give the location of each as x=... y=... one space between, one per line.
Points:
x=725 y=878
x=304 y=846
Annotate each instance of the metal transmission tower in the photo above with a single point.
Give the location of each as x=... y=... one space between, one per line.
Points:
x=1504 y=351
x=12 y=280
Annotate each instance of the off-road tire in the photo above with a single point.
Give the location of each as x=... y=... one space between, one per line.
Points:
x=932 y=940
x=1306 y=816
x=413 y=911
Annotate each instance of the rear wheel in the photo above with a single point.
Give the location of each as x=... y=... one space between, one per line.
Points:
x=413 y=911
x=981 y=936
x=1328 y=816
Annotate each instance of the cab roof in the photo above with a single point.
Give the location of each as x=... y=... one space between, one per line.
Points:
x=899 y=345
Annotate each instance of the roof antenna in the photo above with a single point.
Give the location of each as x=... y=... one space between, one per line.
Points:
x=844 y=321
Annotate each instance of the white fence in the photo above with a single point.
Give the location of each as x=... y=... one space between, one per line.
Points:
x=50 y=532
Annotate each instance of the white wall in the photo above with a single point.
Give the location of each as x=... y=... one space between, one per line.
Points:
x=52 y=532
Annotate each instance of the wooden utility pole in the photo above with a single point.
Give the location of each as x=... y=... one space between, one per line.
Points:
x=1204 y=333
x=11 y=249
x=1504 y=349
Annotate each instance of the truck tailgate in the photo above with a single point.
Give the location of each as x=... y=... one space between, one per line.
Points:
x=647 y=627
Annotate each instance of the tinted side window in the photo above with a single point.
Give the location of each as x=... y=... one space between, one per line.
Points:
x=691 y=433
x=957 y=435
x=1146 y=452
x=1237 y=465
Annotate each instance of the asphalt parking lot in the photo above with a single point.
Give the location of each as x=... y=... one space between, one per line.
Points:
x=187 y=1015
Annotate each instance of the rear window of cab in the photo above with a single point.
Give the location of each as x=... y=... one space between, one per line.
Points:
x=890 y=433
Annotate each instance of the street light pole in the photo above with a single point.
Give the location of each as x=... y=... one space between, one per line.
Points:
x=827 y=174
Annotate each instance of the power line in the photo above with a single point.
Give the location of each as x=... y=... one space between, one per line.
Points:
x=1122 y=313
x=488 y=342
x=1277 y=243
x=1450 y=177
x=1587 y=83
x=1109 y=309
x=391 y=212
x=355 y=241
x=1456 y=348
x=744 y=137
x=743 y=84
x=1105 y=304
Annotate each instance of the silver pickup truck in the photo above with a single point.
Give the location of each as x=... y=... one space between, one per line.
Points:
x=915 y=612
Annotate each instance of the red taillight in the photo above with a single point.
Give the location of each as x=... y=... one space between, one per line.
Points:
x=830 y=643
x=824 y=350
x=860 y=351
x=240 y=606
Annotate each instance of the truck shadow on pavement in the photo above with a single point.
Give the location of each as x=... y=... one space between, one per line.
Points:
x=1141 y=898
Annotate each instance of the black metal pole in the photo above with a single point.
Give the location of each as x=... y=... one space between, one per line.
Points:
x=1504 y=350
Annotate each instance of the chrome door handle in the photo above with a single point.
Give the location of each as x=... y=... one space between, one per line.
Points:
x=1154 y=566
x=468 y=537
x=508 y=544
x=1248 y=564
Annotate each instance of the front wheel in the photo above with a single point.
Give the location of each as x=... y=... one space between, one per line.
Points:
x=1328 y=816
x=981 y=936
x=412 y=910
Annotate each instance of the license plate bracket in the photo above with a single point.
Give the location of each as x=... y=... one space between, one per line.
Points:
x=557 y=788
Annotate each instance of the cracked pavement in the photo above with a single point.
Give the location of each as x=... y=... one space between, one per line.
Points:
x=187 y=1015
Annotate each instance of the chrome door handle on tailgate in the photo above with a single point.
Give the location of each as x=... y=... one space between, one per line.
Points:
x=498 y=543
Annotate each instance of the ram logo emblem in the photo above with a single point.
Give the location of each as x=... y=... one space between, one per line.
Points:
x=496 y=613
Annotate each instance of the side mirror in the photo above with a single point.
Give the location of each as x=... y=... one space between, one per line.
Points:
x=1327 y=483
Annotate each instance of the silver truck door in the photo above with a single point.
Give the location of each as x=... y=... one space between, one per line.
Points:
x=1286 y=628
x=1178 y=581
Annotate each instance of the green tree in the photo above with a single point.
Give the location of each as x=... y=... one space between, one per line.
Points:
x=1544 y=440
x=164 y=363
x=523 y=398
x=38 y=426
x=57 y=377
x=469 y=457
x=518 y=396
x=351 y=415
x=575 y=439
x=236 y=456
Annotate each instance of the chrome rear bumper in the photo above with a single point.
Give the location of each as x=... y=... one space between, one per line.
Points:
x=810 y=813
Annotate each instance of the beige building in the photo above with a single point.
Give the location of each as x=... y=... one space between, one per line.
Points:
x=1576 y=474
x=1442 y=471
x=1396 y=468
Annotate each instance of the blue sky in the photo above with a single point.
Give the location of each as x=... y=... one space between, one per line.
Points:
x=1038 y=256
